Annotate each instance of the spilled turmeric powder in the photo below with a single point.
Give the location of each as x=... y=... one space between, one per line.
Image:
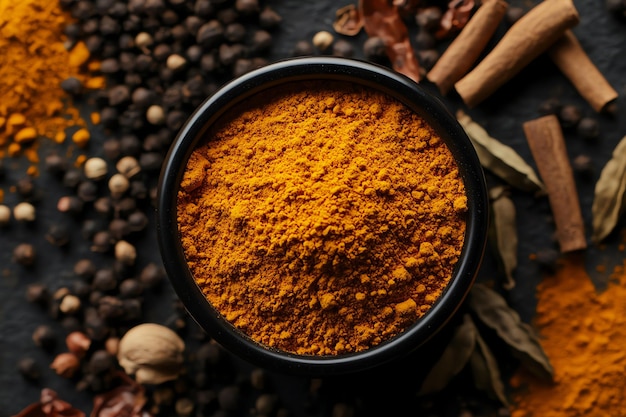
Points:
x=584 y=335
x=322 y=219
x=35 y=61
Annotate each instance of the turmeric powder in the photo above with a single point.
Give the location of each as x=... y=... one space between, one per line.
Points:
x=584 y=334
x=35 y=61
x=322 y=219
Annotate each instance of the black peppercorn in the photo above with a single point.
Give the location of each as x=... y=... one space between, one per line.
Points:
x=109 y=116
x=152 y=275
x=428 y=18
x=87 y=191
x=29 y=369
x=550 y=106
x=262 y=42
x=81 y=289
x=588 y=128
x=423 y=40
x=110 y=308
x=85 y=269
x=513 y=14
x=428 y=58
x=137 y=221
x=104 y=280
x=125 y=206
x=100 y=362
x=235 y=32
x=93 y=43
x=229 y=398
x=247 y=7
x=303 y=48
x=193 y=23
x=583 y=165
x=71 y=324
x=44 y=337
x=24 y=254
x=55 y=164
x=72 y=86
x=343 y=48
x=102 y=242
x=227 y=15
x=38 y=294
x=109 y=66
x=130 y=288
x=119 y=229
x=269 y=19
x=109 y=26
x=210 y=34
x=95 y=326
x=25 y=187
x=138 y=190
x=119 y=95
x=58 y=235
x=570 y=116
x=130 y=145
x=89 y=228
x=103 y=206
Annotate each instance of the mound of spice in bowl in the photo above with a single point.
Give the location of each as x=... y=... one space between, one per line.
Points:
x=322 y=217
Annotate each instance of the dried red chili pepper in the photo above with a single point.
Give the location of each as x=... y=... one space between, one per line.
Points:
x=455 y=18
x=382 y=19
x=50 y=405
x=127 y=400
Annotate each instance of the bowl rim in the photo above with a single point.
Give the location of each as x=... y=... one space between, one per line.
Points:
x=371 y=75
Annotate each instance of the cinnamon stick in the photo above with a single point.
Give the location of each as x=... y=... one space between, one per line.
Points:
x=546 y=142
x=530 y=36
x=464 y=50
x=575 y=64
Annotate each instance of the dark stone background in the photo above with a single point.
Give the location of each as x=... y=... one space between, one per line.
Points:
x=384 y=391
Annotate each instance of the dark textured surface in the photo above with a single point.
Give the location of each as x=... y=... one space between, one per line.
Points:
x=602 y=36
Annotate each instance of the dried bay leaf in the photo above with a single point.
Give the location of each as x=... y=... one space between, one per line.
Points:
x=486 y=372
x=493 y=310
x=609 y=193
x=453 y=359
x=504 y=232
x=500 y=159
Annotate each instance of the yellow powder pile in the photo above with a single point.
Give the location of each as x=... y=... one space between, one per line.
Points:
x=584 y=335
x=33 y=64
x=322 y=219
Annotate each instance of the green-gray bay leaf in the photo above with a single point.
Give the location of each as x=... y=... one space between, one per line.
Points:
x=486 y=372
x=609 y=193
x=500 y=159
x=504 y=232
x=453 y=359
x=493 y=310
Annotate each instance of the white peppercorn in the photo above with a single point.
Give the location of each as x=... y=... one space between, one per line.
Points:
x=155 y=115
x=24 y=212
x=125 y=252
x=5 y=215
x=128 y=166
x=70 y=304
x=175 y=62
x=143 y=40
x=95 y=168
x=322 y=40
x=118 y=185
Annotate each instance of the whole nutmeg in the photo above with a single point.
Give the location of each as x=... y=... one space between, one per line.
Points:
x=65 y=364
x=151 y=352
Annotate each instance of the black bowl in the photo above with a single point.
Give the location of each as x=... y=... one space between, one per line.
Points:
x=338 y=69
